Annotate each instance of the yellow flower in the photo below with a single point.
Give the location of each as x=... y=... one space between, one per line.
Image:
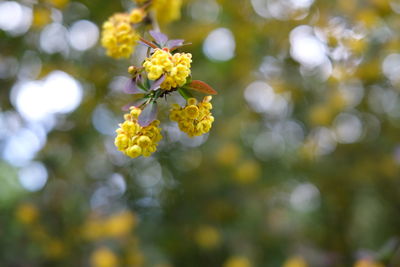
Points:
x=27 y=213
x=115 y=226
x=167 y=10
x=118 y=36
x=237 y=261
x=195 y=118
x=120 y=224
x=137 y=15
x=367 y=263
x=54 y=249
x=134 y=140
x=296 y=261
x=103 y=257
x=41 y=17
x=176 y=68
x=247 y=172
x=207 y=237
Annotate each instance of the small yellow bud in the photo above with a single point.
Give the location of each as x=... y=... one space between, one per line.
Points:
x=135 y=112
x=121 y=142
x=134 y=151
x=137 y=15
x=192 y=101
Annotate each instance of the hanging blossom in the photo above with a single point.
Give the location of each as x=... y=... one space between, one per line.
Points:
x=162 y=73
x=135 y=140
x=119 y=32
x=176 y=68
x=195 y=118
x=118 y=36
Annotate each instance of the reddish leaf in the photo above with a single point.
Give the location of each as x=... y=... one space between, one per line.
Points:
x=202 y=87
x=149 y=114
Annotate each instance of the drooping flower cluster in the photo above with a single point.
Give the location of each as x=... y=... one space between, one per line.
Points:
x=162 y=73
x=134 y=140
x=176 y=67
x=118 y=36
x=195 y=118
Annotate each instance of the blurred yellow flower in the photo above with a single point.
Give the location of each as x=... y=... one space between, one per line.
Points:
x=367 y=263
x=103 y=257
x=120 y=224
x=237 y=261
x=207 y=237
x=247 y=172
x=54 y=249
x=295 y=261
x=137 y=15
x=115 y=226
x=27 y=213
x=320 y=114
x=368 y=17
x=118 y=36
x=41 y=17
x=228 y=154
x=167 y=10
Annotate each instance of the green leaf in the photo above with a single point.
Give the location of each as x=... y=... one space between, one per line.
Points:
x=184 y=93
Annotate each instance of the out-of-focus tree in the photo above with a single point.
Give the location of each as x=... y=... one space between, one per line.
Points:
x=301 y=167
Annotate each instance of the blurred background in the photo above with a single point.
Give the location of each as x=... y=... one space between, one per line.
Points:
x=301 y=167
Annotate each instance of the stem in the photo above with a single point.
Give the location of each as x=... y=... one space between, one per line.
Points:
x=148 y=43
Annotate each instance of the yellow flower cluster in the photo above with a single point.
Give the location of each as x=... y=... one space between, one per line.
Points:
x=176 y=67
x=195 y=118
x=118 y=36
x=134 y=140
